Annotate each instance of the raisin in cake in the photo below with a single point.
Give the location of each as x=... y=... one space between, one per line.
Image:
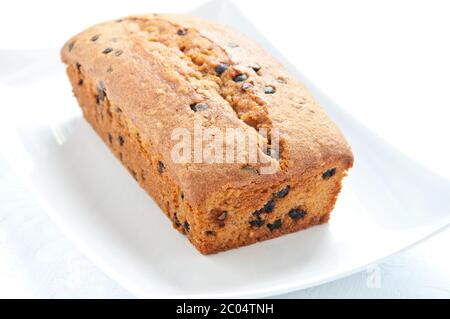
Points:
x=140 y=78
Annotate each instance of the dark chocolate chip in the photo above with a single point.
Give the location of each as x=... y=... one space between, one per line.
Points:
x=107 y=50
x=95 y=37
x=71 y=45
x=121 y=140
x=182 y=195
x=240 y=77
x=186 y=226
x=256 y=223
x=176 y=221
x=101 y=92
x=275 y=225
x=257 y=213
x=329 y=173
x=269 y=206
x=110 y=138
x=182 y=32
x=80 y=82
x=272 y=153
x=210 y=233
x=78 y=66
x=118 y=53
x=269 y=89
x=199 y=107
x=297 y=213
x=256 y=67
x=221 y=67
x=282 y=193
x=161 y=167
x=246 y=86
x=222 y=216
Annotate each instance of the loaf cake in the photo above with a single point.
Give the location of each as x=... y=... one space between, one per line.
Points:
x=140 y=79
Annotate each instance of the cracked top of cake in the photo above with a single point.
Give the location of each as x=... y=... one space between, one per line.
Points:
x=172 y=71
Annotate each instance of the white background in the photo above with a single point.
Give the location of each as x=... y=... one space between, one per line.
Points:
x=387 y=62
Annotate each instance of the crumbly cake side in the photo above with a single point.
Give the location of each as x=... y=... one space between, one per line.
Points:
x=137 y=79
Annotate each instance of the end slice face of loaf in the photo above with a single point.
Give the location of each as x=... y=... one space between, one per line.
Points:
x=140 y=78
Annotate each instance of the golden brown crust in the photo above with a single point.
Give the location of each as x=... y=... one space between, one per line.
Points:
x=153 y=68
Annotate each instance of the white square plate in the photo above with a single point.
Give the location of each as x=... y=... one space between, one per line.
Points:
x=387 y=204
